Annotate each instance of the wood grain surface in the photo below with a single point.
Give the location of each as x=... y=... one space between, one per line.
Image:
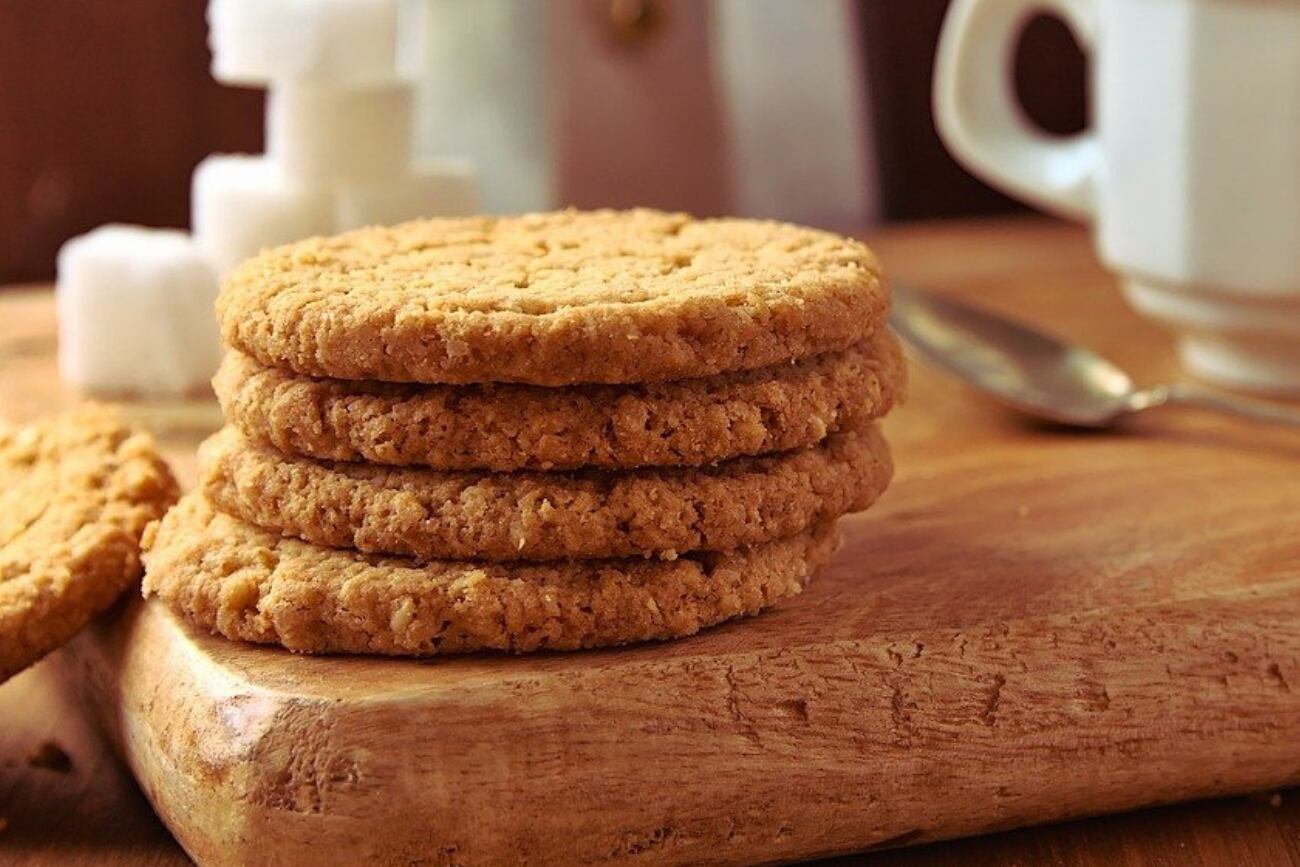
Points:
x=1033 y=624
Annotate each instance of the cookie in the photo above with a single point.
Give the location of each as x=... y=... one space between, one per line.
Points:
x=516 y=427
x=75 y=495
x=553 y=299
x=253 y=585
x=431 y=514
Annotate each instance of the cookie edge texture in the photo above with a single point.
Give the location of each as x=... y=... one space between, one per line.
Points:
x=96 y=561
x=599 y=342
x=663 y=513
x=235 y=580
x=506 y=428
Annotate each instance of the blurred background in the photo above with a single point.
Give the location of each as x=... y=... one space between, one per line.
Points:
x=816 y=111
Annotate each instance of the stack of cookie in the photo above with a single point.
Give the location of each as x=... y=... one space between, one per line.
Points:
x=554 y=431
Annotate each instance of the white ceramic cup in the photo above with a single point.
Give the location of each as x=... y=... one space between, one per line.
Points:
x=1190 y=173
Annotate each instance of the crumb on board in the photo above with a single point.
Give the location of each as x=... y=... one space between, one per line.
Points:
x=1272 y=799
x=4 y=823
x=50 y=756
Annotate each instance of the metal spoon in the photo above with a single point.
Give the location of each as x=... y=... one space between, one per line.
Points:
x=1040 y=375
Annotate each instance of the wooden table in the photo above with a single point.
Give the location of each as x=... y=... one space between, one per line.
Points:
x=93 y=814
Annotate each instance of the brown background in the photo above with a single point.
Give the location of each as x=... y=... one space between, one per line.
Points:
x=106 y=107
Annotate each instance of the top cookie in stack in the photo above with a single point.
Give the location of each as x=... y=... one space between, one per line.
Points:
x=551 y=431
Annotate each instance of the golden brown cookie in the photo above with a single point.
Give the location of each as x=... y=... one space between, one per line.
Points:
x=245 y=583
x=75 y=495
x=514 y=427
x=431 y=514
x=553 y=299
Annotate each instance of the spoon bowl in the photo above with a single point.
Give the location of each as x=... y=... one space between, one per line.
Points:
x=1040 y=374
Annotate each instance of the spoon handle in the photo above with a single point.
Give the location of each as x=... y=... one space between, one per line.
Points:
x=1244 y=407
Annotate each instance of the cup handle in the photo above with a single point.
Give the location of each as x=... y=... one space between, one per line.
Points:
x=982 y=122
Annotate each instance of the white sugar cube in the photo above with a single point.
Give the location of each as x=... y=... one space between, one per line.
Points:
x=337 y=42
x=135 y=313
x=325 y=134
x=242 y=204
x=434 y=188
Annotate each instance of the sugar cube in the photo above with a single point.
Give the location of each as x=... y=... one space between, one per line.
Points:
x=135 y=313
x=242 y=204
x=339 y=42
x=324 y=134
x=432 y=188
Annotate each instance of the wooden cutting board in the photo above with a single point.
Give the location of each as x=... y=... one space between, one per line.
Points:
x=1016 y=635
x=1031 y=625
